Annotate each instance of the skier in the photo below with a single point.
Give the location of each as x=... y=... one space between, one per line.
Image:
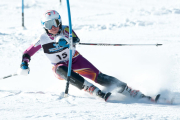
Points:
x=55 y=45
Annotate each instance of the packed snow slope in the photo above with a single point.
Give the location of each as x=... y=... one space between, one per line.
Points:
x=149 y=69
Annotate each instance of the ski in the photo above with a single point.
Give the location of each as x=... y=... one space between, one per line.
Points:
x=165 y=100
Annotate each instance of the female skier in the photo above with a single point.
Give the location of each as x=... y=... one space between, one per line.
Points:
x=55 y=45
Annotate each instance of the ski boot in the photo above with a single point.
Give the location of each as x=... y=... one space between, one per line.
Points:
x=154 y=100
x=93 y=90
x=128 y=91
x=105 y=96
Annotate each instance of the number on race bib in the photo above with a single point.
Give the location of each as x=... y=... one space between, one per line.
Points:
x=64 y=55
x=59 y=56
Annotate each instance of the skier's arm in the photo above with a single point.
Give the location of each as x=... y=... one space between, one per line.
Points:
x=24 y=69
x=30 y=52
x=74 y=36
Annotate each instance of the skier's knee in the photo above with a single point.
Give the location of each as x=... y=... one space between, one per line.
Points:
x=62 y=71
x=107 y=80
x=75 y=79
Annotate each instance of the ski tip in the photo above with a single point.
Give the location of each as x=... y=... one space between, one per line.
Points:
x=107 y=96
x=157 y=97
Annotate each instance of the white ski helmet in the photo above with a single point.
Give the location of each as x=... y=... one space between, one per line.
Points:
x=51 y=18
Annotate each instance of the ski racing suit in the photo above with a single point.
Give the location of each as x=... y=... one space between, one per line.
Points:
x=59 y=57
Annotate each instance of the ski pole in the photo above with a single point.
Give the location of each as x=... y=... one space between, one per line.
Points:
x=11 y=75
x=70 y=50
x=105 y=44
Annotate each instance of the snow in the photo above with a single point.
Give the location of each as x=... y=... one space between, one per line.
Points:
x=149 y=69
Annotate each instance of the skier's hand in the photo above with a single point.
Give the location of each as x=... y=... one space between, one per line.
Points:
x=62 y=41
x=76 y=40
x=24 y=69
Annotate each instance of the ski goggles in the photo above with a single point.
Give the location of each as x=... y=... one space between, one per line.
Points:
x=48 y=24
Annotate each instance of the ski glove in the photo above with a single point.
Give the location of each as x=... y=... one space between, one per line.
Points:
x=24 y=65
x=62 y=41
x=24 y=69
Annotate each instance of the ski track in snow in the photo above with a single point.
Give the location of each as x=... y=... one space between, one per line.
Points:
x=152 y=70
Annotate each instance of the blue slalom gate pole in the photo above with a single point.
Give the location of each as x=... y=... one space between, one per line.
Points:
x=70 y=49
x=22 y=13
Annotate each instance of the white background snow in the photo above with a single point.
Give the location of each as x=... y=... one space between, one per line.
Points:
x=149 y=69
